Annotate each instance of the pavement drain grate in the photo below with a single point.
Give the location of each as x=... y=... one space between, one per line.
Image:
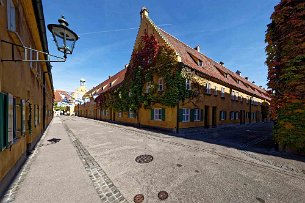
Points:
x=138 y=198
x=163 y=195
x=196 y=171
x=179 y=165
x=144 y=158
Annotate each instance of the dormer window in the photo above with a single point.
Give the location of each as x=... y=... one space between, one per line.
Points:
x=215 y=90
x=110 y=84
x=200 y=63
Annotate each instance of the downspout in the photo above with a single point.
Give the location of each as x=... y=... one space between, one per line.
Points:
x=177 y=121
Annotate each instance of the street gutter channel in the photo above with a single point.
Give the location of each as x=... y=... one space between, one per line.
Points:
x=104 y=187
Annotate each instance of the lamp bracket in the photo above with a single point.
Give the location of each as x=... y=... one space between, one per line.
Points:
x=29 y=54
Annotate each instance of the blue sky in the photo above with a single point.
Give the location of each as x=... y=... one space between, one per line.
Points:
x=232 y=31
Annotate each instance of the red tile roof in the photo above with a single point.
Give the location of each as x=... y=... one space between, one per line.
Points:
x=212 y=68
x=105 y=85
x=58 y=95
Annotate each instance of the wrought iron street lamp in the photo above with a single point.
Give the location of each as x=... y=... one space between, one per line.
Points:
x=64 y=37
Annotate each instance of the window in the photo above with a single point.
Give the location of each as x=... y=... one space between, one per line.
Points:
x=215 y=91
x=187 y=84
x=248 y=100
x=160 y=87
x=222 y=115
x=222 y=92
x=11 y=16
x=241 y=98
x=120 y=114
x=148 y=84
x=107 y=112
x=208 y=88
x=200 y=63
x=232 y=115
x=158 y=114
x=232 y=94
x=131 y=114
x=196 y=114
x=237 y=96
x=236 y=115
x=185 y=115
x=23 y=122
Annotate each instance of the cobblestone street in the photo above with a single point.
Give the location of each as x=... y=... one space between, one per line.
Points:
x=99 y=156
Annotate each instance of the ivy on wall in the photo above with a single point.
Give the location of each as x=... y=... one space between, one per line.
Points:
x=149 y=62
x=286 y=72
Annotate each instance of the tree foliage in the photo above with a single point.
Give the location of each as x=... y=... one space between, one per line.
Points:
x=285 y=49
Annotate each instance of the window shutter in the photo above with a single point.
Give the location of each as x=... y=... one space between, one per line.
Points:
x=35 y=115
x=180 y=115
x=220 y=115
x=152 y=115
x=2 y=123
x=192 y=115
x=163 y=114
x=201 y=114
x=225 y=115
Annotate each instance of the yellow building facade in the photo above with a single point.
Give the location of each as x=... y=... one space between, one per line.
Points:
x=223 y=97
x=26 y=89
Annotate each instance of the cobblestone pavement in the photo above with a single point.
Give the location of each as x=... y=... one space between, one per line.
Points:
x=105 y=188
x=190 y=170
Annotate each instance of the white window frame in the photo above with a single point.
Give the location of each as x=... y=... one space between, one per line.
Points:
x=158 y=114
x=236 y=115
x=131 y=114
x=223 y=92
x=215 y=91
x=196 y=114
x=148 y=84
x=11 y=16
x=186 y=114
x=232 y=115
x=208 y=88
x=222 y=115
x=188 y=84
x=160 y=86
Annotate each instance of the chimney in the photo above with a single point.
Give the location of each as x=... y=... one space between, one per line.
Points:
x=246 y=78
x=144 y=12
x=253 y=82
x=126 y=65
x=109 y=76
x=238 y=72
x=260 y=86
x=197 y=48
x=221 y=63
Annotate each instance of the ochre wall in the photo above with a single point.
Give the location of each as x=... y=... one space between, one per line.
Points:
x=21 y=80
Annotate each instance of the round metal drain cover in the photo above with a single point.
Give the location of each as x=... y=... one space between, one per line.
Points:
x=144 y=158
x=138 y=198
x=163 y=195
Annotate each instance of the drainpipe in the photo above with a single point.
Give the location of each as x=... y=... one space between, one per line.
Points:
x=250 y=108
x=177 y=124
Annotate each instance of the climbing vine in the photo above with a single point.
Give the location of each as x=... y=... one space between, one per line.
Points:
x=285 y=49
x=149 y=62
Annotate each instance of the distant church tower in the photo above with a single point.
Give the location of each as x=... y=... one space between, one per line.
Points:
x=82 y=82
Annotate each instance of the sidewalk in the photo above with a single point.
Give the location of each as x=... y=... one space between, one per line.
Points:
x=53 y=173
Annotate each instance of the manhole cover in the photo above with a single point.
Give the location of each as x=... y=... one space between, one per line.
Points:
x=138 y=198
x=163 y=195
x=144 y=158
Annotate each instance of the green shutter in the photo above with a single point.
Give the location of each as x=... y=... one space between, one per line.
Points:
x=180 y=115
x=152 y=115
x=192 y=115
x=201 y=114
x=163 y=114
x=3 y=120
